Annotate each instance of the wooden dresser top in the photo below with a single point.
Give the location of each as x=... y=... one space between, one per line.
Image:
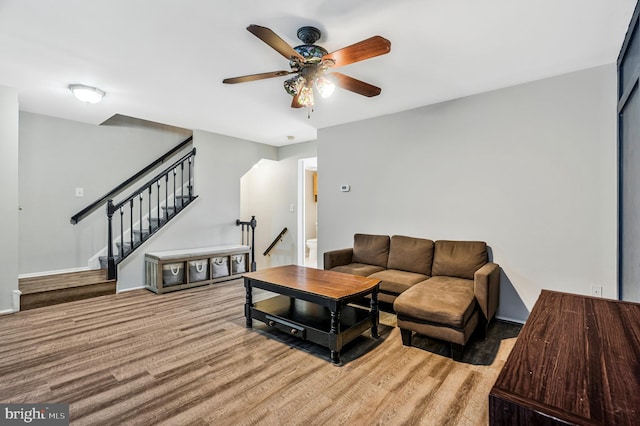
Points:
x=577 y=359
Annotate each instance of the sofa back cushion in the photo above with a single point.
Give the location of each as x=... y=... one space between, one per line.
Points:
x=459 y=258
x=411 y=254
x=371 y=249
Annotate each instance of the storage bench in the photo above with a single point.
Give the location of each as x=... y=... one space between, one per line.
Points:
x=173 y=270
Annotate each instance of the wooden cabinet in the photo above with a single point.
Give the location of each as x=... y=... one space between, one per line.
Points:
x=179 y=269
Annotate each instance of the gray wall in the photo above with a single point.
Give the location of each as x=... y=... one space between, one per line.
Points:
x=56 y=156
x=220 y=163
x=529 y=169
x=9 y=195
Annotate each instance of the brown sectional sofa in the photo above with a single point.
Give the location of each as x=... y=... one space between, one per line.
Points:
x=442 y=289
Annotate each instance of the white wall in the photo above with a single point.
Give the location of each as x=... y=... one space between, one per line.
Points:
x=268 y=192
x=56 y=156
x=9 y=196
x=529 y=169
x=220 y=163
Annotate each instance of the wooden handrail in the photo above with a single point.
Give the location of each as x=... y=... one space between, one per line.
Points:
x=110 y=195
x=276 y=241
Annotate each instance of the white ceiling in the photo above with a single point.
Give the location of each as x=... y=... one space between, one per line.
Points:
x=164 y=60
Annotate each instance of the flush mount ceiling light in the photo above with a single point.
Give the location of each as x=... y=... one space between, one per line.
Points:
x=88 y=94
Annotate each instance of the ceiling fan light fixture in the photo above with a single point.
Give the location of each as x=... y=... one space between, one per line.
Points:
x=325 y=86
x=293 y=85
x=306 y=96
x=87 y=94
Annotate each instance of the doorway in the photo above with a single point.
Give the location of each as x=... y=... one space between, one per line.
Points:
x=308 y=212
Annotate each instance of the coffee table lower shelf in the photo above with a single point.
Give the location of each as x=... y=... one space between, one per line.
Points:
x=312 y=322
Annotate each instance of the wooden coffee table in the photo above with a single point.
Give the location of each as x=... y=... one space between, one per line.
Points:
x=313 y=304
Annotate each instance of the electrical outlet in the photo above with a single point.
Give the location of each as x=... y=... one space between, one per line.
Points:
x=596 y=290
x=79 y=192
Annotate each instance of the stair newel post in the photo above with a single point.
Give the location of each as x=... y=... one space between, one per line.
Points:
x=253 y=223
x=111 y=263
x=189 y=185
x=131 y=223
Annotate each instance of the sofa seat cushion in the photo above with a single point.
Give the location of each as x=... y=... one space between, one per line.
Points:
x=442 y=300
x=394 y=281
x=361 y=269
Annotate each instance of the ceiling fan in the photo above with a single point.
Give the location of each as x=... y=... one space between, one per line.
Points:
x=311 y=63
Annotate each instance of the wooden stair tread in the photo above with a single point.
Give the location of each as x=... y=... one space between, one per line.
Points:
x=55 y=282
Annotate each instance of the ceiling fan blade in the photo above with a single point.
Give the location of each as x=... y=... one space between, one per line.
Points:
x=295 y=102
x=273 y=40
x=369 y=48
x=254 y=77
x=354 y=85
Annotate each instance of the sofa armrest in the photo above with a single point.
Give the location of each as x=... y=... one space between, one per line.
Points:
x=337 y=258
x=487 y=289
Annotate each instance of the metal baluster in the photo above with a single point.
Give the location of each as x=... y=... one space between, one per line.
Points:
x=121 y=251
x=175 y=207
x=158 y=199
x=131 y=223
x=140 y=219
x=149 y=213
x=182 y=184
x=166 y=194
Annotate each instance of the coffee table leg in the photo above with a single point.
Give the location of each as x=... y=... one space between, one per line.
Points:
x=335 y=329
x=248 y=302
x=374 y=313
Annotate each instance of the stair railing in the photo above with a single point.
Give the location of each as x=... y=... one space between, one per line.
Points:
x=109 y=195
x=157 y=201
x=249 y=227
x=275 y=242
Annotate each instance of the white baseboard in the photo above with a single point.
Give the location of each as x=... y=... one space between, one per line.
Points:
x=15 y=300
x=60 y=271
x=15 y=303
x=124 y=290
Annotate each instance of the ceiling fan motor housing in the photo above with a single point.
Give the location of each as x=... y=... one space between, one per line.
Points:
x=309 y=35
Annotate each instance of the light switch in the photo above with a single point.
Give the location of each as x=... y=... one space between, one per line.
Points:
x=79 y=192
x=291 y=208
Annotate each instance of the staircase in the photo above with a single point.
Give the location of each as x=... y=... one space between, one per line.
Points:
x=130 y=223
x=143 y=212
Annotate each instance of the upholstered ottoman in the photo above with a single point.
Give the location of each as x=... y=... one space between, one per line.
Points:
x=462 y=293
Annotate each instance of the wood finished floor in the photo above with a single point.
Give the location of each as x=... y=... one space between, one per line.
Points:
x=186 y=358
